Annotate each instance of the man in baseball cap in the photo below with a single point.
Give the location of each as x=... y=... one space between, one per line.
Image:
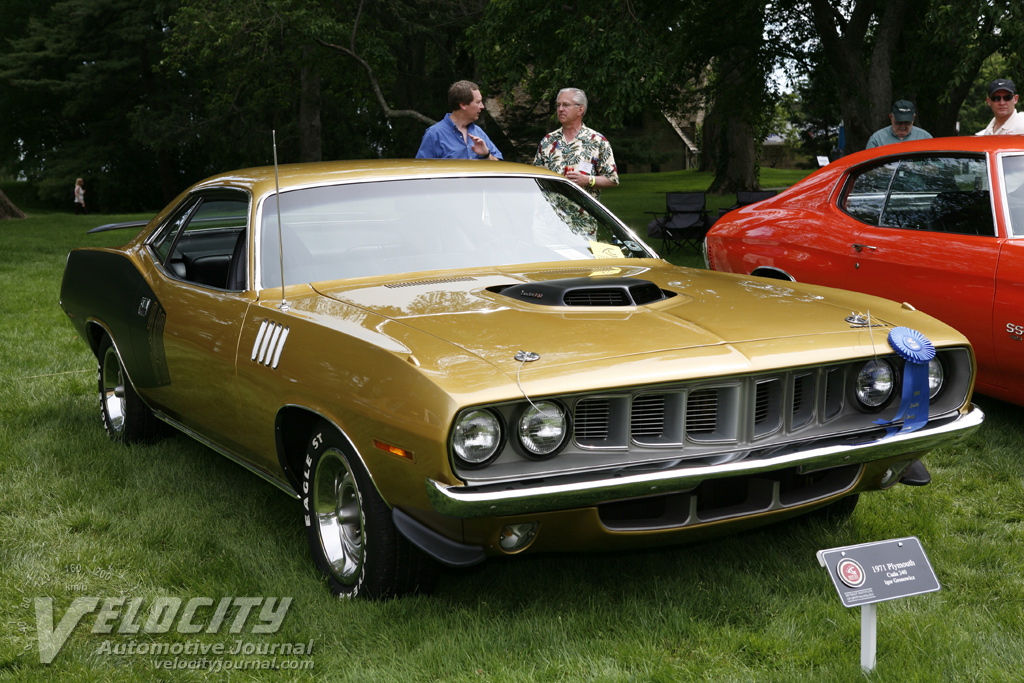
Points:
x=901 y=126
x=1002 y=98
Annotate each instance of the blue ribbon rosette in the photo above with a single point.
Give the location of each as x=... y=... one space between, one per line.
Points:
x=914 y=348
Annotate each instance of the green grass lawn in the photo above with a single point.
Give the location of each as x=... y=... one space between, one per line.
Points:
x=640 y=194
x=81 y=517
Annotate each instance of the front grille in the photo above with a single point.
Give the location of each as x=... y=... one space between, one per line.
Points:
x=701 y=413
x=708 y=415
x=711 y=421
x=592 y=420
x=648 y=419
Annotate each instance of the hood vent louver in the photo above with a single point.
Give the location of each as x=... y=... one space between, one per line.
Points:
x=586 y=291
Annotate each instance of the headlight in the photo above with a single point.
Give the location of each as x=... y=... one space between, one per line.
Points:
x=477 y=437
x=936 y=376
x=542 y=429
x=875 y=383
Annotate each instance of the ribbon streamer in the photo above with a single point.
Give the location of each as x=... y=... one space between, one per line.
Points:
x=914 y=348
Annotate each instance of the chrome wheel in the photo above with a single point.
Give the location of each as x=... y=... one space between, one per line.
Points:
x=338 y=516
x=112 y=390
x=125 y=417
x=350 y=530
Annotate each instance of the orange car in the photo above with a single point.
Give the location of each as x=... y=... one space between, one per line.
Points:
x=937 y=223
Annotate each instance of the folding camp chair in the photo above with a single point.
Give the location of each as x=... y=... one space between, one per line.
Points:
x=744 y=197
x=684 y=221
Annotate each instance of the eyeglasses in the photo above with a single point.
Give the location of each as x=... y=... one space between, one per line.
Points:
x=1004 y=98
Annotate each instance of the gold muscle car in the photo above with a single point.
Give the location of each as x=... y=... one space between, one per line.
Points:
x=447 y=361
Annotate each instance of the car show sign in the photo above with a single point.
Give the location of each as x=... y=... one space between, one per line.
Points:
x=875 y=572
x=870 y=573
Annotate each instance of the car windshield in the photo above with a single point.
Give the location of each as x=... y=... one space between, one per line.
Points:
x=402 y=226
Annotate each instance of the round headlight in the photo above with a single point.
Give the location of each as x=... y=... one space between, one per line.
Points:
x=542 y=429
x=936 y=376
x=477 y=437
x=875 y=383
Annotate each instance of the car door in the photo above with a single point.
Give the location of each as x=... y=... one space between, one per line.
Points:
x=931 y=241
x=1008 y=317
x=203 y=313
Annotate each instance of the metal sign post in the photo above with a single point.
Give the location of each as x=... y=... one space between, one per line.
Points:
x=868 y=636
x=869 y=573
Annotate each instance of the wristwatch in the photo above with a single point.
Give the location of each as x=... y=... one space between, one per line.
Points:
x=484 y=156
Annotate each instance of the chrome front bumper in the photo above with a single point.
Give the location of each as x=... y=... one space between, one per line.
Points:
x=579 y=490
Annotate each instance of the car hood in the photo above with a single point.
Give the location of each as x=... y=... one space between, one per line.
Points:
x=713 y=324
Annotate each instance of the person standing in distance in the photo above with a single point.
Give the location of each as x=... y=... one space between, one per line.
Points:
x=79 y=204
x=581 y=154
x=1002 y=98
x=901 y=126
x=457 y=136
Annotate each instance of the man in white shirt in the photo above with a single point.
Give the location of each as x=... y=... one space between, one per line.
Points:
x=1002 y=98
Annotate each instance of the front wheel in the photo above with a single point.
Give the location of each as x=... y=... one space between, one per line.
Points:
x=349 y=528
x=125 y=417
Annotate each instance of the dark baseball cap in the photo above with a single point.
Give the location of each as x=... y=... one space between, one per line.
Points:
x=903 y=111
x=1001 y=84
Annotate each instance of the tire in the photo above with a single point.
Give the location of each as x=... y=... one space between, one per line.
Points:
x=126 y=418
x=351 y=535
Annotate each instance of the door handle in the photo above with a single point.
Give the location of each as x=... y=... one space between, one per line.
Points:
x=862 y=247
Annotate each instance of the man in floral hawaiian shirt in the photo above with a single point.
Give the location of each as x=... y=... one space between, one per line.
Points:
x=581 y=154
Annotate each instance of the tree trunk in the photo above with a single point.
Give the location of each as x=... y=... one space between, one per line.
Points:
x=731 y=121
x=7 y=209
x=735 y=163
x=865 y=86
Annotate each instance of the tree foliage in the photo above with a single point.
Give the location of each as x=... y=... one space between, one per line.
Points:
x=143 y=97
x=77 y=78
x=634 y=56
x=927 y=51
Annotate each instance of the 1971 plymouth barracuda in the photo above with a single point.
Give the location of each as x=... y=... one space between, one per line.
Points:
x=936 y=223
x=445 y=361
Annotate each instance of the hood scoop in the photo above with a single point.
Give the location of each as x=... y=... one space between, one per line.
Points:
x=586 y=291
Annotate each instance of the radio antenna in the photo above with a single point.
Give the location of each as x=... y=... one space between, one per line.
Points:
x=277 y=201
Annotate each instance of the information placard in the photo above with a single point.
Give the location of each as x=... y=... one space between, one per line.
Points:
x=884 y=570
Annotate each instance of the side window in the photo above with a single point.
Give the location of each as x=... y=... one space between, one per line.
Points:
x=1013 y=186
x=941 y=194
x=163 y=240
x=938 y=194
x=866 y=193
x=205 y=240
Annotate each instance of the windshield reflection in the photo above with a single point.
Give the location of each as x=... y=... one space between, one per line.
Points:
x=402 y=226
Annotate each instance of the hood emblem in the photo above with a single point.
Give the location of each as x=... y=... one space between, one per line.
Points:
x=864 y=320
x=527 y=356
x=857 y=320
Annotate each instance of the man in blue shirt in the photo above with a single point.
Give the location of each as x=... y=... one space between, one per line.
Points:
x=902 y=128
x=457 y=136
